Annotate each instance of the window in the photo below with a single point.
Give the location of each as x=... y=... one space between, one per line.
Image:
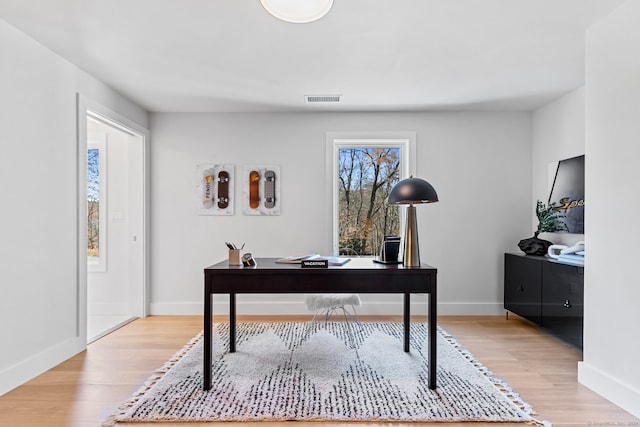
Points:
x=364 y=172
x=96 y=203
x=366 y=176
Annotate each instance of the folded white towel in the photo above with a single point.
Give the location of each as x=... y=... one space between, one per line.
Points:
x=573 y=249
x=554 y=251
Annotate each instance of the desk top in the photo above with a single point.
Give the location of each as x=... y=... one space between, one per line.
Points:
x=360 y=275
x=364 y=263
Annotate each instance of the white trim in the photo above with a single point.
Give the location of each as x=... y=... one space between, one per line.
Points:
x=106 y=332
x=85 y=108
x=405 y=141
x=613 y=389
x=109 y=309
x=182 y=308
x=36 y=364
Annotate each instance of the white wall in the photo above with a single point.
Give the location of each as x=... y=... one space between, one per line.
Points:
x=478 y=162
x=612 y=286
x=558 y=131
x=40 y=302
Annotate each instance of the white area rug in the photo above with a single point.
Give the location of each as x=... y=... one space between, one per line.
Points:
x=293 y=371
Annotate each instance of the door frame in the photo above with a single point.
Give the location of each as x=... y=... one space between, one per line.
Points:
x=88 y=108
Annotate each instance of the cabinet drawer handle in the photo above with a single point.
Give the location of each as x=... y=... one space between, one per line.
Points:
x=567 y=303
x=520 y=288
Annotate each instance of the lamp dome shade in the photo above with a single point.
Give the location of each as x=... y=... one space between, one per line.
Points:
x=412 y=191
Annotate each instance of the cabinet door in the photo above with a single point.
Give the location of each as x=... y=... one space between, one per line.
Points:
x=522 y=286
x=563 y=301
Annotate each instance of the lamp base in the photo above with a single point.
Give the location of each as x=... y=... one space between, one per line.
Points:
x=411 y=249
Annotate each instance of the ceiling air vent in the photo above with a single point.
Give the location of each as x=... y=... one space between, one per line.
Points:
x=321 y=98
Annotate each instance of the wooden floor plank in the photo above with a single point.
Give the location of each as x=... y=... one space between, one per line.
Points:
x=84 y=390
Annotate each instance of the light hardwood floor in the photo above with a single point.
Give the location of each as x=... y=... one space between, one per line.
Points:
x=84 y=390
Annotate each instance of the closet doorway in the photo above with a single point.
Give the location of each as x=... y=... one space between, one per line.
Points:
x=115 y=219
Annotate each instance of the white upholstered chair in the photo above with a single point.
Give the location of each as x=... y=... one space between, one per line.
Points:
x=327 y=304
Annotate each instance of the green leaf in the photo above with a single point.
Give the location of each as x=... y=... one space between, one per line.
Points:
x=549 y=219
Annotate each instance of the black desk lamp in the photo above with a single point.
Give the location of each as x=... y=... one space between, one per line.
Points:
x=412 y=191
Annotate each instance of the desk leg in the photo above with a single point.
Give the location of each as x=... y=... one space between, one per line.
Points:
x=206 y=369
x=433 y=346
x=407 y=321
x=232 y=323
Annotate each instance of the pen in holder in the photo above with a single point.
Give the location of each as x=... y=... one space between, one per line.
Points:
x=234 y=257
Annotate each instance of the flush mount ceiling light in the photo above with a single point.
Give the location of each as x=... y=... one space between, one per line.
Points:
x=297 y=11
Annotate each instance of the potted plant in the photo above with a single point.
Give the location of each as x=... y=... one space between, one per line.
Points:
x=549 y=221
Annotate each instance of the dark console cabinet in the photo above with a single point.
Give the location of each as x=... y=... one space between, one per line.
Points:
x=523 y=287
x=563 y=300
x=547 y=293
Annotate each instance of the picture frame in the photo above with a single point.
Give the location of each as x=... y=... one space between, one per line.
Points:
x=261 y=190
x=215 y=192
x=567 y=192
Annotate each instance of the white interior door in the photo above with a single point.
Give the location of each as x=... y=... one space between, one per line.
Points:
x=115 y=237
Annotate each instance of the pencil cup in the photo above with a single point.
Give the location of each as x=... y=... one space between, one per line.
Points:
x=234 y=257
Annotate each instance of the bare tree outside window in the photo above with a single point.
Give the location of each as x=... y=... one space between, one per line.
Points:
x=93 y=202
x=367 y=176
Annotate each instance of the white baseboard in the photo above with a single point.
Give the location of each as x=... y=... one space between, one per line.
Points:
x=107 y=308
x=298 y=308
x=25 y=370
x=610 y=388
x=178 y=308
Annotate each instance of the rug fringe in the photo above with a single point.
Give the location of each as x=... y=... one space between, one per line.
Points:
x=522 y=407
x=515 y=398
x=150 y=382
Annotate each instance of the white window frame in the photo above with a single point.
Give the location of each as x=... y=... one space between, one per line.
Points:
x=99 y=142
x=405 y=141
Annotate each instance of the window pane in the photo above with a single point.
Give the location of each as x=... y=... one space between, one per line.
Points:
x=93 y=202
x=366 y=178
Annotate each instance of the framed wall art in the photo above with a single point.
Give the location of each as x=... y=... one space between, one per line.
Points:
x=261 y=190
x=215 y=189
x=567 y=192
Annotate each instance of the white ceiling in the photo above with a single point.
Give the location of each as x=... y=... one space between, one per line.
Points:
x=380 y=55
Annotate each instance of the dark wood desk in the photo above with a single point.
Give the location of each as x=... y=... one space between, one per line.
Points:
x=360 y=275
